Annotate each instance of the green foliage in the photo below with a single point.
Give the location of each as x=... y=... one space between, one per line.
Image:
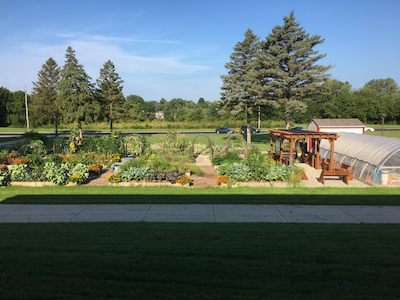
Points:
x=56 y=174
x=137 y=174
x=15 y=107
x=236 y=171
x=173 y=176
x=175 y=141
x=136 y=144
x=229 y=158
x=45 y=91
x=104 y=145
x=32 y=135
x=5 y=176
x=109 y=93
x=278 y=172
x=287 y=63
x=257 y=162
x=20 y=172
x=75 y=98
x=80 y=169
x=137 y=162
x=240 y=87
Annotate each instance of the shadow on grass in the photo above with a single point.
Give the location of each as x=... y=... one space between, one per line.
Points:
x=204 y=199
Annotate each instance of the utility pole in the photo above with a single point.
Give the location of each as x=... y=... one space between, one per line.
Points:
x=26 y=109
x=383 y=122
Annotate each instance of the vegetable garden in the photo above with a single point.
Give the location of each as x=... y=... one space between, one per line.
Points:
x=78 y=161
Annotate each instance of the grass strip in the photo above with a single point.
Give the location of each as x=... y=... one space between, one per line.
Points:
x=177 y=195
x=199 y=261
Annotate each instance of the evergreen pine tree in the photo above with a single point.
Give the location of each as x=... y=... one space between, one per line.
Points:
x=241 y=87
x=75 y=97
x=109 y=93
x=287 y=61
x=45 y=92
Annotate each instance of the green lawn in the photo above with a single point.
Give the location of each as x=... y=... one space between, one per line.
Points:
x=199 y=261
x=176 y=195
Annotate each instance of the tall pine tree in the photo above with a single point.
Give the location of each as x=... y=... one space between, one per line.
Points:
x=75 y=97
x=241 y=87
x=45 y=92
x=287 y=61
x=109 y=93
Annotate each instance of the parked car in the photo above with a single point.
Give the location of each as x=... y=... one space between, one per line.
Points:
x=369 y=129
x=243 y=129
x=299 y=128
x=224 y=130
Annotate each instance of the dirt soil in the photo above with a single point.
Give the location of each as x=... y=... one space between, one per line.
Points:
x=208 y=180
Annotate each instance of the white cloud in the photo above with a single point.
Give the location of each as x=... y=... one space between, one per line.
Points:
x=20 y=67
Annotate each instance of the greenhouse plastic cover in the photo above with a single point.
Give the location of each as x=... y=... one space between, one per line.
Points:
x=367 y=154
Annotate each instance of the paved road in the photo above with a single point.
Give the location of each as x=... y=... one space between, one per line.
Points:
x=197 y=213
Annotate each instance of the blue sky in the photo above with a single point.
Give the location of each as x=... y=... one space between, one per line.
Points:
x=178 y=49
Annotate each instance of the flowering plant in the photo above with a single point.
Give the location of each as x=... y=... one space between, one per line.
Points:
x=222 y=179
x=114 y=178
x=95 y=168
x=115 y=157
x=184 y=179
x=76 y=178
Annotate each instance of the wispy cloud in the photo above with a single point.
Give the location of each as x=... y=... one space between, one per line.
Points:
x=103 y=38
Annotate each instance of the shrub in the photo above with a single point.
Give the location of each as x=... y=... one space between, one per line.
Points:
x=137 y=162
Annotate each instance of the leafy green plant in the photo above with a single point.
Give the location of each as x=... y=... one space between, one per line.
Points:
x=20 y=172
x=236 y=171
x=56 y=174
x=137 y=174
x=172 y=176
x=32 y=135
x=81 y=170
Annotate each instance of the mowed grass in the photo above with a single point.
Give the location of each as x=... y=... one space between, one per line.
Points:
x=217 y=195
x=199 y=261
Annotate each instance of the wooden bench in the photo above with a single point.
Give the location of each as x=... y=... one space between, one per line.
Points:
x=343 y=174
x=343 y=167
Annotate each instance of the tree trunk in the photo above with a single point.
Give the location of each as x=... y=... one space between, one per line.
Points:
x=56 y=127
x=248 y=128
x=287 y=116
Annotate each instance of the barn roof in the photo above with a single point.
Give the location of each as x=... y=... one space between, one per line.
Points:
x=337 y=122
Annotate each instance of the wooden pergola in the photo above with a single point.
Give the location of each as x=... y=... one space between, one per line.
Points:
x=313 y=158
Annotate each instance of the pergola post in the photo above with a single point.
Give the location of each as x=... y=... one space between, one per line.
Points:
x=332 y=142
x=290 y=151
x=271 y=151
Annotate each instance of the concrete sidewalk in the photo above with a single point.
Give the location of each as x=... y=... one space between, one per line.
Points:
x=214 y=213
